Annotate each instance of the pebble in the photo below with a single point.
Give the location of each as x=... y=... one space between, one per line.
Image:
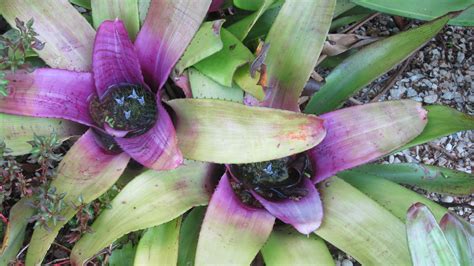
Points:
x=447 y=95
x=347 y=263
x=460 y=57
x=397 y=93
x=447 y=199
x=411 y=92
x=432 y=98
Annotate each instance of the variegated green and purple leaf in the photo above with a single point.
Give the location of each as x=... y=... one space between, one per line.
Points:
x=360 y=134
x=460 y=236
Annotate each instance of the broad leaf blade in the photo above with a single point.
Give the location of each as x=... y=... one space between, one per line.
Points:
x=460 y=236
x=189 y=235
x=125 y=10
x=295 y=44
x=222 y=65
x=423 y=9
x=369 y=63
x=288 y=247
x=391 y=196
x=241 y=28
x=159 y=244
x=360 y=227
x=206 y=42
x=16 y=131
x=68 y=36
x=150 y=199
x=431 y=178
x=428 y=245
x=123 y=256
x=213 y=131
x=86 y=171
x=204 y=87
x=14 y=235
x=442 y=121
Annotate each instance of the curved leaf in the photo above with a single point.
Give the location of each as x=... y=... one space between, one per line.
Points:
x=288 y=247
x=428 y=245
x=205 y=43
x=86 y=171
x=360 y=227
x=189 y=235
x=226 y=132
x=204 y=87
x=295 y=45
x=424 y=9
x=150 y=199
x=14 y=235
x=125 y=10
x=460 y=236
x=68 y=35
x=391 y=196
x=431 y=178
x=442 y=121
x=231 y=232
x=16 y=131
x=123 y=256
x=159 y=244
x=241 y=28
x=369 y=63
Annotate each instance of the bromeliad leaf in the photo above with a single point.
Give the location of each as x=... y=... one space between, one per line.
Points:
x=205 y=43
x=125 y=10
x=159 y=244
x=204 y=87
x=290 y=63
x=442 y=121
x=222 y=65
x=431 y=178
x=212 y=131
x=369 y=63
x=150 y=199
x=188 y=236
x=86 y=172
x=424 y=9
x=460 y=236
x=53 y=19
x=288 y=247
x=16 y=131
x=241 y=28
x=357 y=225
x=391 y=196
x=123 y=256
x=428 y=245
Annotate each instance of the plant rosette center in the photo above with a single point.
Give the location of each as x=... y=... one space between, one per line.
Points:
x=274 y=180
x=125 y=110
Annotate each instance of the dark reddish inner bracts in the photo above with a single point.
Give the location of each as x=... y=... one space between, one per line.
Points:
x=274 y=180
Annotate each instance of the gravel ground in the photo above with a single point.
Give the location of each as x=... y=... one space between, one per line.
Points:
x=442 y=72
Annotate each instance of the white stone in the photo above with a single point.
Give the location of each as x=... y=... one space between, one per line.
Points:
x=447 y=199
x=347 y=263
x=411 y=92
x=460 y=57
x=432 y=98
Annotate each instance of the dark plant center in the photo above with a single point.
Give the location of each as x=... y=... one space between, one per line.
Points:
x=125 y=107
x=276 y=179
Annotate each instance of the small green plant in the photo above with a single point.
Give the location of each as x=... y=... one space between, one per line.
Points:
x=49 y=205
x=43 y=152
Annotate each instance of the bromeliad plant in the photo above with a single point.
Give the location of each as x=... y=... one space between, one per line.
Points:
x=273 y=157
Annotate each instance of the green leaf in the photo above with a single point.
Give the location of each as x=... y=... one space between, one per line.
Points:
x=295 y=45
x=424 y=9
x=68 y=35
x=204 y=87
x=391 y=196
x=14 y=235
x=188 y=237
x=343 y=6
x=213 y=130
x=369 y=63
x=264 y=23
x=360 y=227
x=241 y=28
x=460 y=236
x=205 y=43
x=86 y=171
x=123 y=256
x=125 y=10
x=428 y=245
x=288 y=247
x=222 y=65
x=250 y=85
x=251 y=5
x=442 y=121
x=82 y=3
x=431 y=178
x=16 y=131
x=159 y=244
x=150 y=199
x=143 y=6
